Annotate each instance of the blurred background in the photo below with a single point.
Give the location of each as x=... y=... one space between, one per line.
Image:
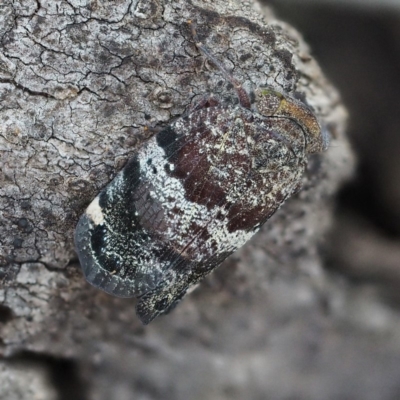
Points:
x=357 y=43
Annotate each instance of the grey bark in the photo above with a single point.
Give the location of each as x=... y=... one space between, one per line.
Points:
x=80 y=86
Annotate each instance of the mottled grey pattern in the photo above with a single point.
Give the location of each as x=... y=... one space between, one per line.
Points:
x=195 y=193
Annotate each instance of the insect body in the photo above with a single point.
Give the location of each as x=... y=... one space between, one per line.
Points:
x=193 y=194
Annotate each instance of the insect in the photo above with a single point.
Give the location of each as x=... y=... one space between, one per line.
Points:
x=194 y=193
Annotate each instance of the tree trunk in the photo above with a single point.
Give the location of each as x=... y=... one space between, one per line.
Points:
x=82 y=85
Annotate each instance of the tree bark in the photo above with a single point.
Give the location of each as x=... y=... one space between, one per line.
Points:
x=80 y=86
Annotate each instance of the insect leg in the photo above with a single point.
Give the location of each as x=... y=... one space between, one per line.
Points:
x=244 y=98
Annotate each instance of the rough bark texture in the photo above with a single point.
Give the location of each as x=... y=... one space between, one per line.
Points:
x=80 y=84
